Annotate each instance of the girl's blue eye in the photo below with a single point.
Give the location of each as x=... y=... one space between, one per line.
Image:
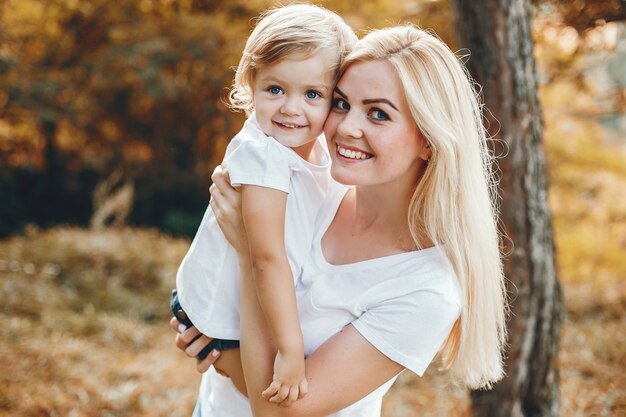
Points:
x=379 y=115
x=312 y=94
x=341 y=104
x=275 y=90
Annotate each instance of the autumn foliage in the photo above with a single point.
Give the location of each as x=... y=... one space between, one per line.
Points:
x=97 y=97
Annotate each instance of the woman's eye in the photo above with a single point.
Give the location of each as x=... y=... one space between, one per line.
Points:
x=312 y=94
x=341 y=104
x=379 y=115
x=275 y=90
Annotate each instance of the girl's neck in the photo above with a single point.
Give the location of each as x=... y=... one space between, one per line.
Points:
x=309 y=152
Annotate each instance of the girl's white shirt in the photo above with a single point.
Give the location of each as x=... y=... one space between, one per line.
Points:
x=208 y=277
x=404 y=304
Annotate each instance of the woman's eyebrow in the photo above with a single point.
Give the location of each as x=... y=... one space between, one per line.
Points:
x=380 y=100
x=341 y=93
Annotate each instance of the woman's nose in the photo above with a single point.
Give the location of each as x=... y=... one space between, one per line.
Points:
x=350 y=126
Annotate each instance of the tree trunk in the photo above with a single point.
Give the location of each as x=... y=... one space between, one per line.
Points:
x=498 y=35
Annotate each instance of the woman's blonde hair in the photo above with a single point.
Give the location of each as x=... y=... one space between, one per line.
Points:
x=455 y=201
x=295 y=30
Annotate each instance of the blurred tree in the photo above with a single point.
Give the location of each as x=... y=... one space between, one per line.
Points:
x=499 y=36
x=131 y=85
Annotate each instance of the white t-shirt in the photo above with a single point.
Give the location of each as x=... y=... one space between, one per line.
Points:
x=405 y=305
x=208 y=277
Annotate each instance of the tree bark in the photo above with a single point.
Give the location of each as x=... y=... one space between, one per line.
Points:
x=498 y=35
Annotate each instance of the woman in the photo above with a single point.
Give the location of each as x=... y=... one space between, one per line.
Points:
x=405 y=263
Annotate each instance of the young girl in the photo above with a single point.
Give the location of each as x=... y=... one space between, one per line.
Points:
x=279 y=161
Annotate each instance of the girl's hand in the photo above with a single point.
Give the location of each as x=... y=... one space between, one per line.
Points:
x=289 y=382
x=226 y=205
x=192 y=342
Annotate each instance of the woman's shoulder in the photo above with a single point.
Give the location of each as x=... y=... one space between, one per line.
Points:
x=412 y=275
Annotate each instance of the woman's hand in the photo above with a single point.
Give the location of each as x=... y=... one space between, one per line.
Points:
x=227 y=363
x=226 y=205
x=191 y=341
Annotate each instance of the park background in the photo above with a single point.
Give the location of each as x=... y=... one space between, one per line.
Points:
x=112 y=116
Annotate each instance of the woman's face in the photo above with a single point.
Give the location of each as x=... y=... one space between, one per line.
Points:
x=372 y=137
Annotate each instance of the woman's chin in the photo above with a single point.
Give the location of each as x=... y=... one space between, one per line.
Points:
x=345 y=178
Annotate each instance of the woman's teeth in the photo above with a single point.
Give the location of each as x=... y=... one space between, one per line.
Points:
x=352 y=154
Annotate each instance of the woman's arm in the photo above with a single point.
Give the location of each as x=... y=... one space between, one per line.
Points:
x=227 y=363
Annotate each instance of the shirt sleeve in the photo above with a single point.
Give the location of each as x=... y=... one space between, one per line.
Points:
x=411 y=328
x=265 y=163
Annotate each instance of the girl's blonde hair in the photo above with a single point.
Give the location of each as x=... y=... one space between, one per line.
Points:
x=299 y=30
x=455 y=201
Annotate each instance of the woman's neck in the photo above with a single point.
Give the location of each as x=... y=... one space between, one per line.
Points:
x=374 y=210
x=367 y=225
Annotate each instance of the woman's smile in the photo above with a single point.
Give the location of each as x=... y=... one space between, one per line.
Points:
x=347 y=152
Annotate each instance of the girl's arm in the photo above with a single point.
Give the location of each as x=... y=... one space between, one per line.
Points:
x=263 y=212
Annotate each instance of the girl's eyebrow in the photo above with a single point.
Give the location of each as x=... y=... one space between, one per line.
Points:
x=368 y=101
x=319 y=87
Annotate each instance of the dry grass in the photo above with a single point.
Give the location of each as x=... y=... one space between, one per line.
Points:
x=85 y=333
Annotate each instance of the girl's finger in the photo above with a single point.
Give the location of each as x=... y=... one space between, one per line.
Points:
x=271 y=390
x=283 y=392
x=304 y=389
x=293 y=396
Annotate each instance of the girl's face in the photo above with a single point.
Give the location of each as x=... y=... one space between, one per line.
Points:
x=372 y=136
x=292 y=98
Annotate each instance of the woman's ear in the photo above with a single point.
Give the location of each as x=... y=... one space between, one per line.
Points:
x=426 y=153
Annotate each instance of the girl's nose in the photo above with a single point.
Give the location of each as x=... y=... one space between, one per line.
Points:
x=291 y=107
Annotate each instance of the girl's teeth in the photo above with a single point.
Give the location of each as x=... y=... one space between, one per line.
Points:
x=289 y=126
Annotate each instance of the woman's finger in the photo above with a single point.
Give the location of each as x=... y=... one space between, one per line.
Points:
x=197 y=345
x=220 y=175
x=217 y=173
x=221 y=181
x=204 y=364
x=186 y=337
x=175 y=325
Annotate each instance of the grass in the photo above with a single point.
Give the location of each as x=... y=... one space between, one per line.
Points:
x=85 y=333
